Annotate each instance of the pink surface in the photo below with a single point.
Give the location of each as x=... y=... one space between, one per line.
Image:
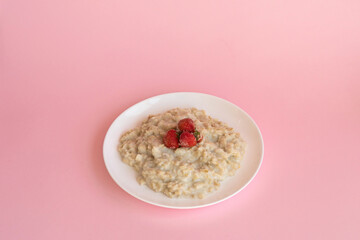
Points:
x=68 y=68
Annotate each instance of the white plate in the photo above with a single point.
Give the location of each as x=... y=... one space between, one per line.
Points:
x=216 y=107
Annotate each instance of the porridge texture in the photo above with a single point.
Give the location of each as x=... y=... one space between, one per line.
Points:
x=184 y=172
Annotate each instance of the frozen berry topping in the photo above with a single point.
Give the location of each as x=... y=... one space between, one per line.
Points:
x=186 y=124
x=171 y=139
x=185 y=136
x=187 y=140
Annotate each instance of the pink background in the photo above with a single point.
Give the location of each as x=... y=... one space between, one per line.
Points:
x=69 y=68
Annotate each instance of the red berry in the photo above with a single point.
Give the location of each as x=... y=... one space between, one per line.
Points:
x=186 y=124
x=187 y=140
x=171 y=139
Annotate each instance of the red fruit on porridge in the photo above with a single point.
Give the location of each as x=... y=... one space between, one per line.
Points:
x=187 y=140
x=171 y=139
x=186 y=124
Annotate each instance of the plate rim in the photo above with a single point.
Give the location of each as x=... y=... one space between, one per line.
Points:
x=196 y=206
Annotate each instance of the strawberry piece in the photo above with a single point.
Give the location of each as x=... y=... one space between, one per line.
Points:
x=187 y=140
x=171 y=139
x=186 y=124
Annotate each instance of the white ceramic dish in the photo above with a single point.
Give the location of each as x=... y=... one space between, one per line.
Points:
x=216 y=107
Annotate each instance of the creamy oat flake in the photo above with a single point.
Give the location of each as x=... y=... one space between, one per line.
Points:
x=183 y=172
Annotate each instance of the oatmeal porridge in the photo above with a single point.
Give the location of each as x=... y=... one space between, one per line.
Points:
x=189 y=172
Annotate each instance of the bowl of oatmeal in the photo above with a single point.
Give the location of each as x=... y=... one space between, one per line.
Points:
x=220 y=165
